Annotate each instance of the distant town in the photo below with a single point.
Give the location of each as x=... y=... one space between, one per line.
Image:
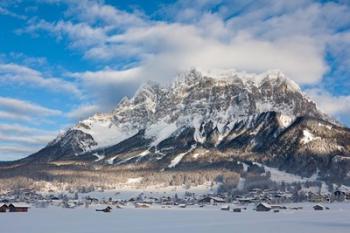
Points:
x=260 y=199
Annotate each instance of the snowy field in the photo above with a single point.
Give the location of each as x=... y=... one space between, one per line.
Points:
x=193 y=219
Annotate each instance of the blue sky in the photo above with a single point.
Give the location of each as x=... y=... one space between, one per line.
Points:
x=63 y=60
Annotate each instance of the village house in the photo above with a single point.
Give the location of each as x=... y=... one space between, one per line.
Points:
x=142 y=205
x=296 y=208
x=18 y=208
x=263 y=207
x=318 y=207
x=106 y=210
x=313 y=197
x=339 y=195
x=53 y=198
x=245 y=200
x=237 y=210
x=278 y=207
x=225 y=207
x=211 y=200
x=70 y=204
x=92 y=200
x=3 y=208
x=41 y=204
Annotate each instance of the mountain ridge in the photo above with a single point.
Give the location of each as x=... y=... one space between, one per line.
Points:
x=147 y=106
x=201 y=122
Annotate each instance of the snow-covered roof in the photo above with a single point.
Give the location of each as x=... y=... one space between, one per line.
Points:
x=264 y=204
x=20 y=204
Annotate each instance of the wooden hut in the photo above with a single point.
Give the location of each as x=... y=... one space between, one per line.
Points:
x=263 y=207
x=106 y=210
x=142 y=205
x=17 y=208
x=237 y=210
x=3 y=208
x=211 y=200
x=318 y=207
x=339 y=195
x=225 y=207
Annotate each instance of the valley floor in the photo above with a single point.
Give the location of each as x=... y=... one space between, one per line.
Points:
x=191 y=219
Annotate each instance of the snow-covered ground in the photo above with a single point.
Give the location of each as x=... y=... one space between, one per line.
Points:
x=151 y=191
x=191 y=219
x=281 y=176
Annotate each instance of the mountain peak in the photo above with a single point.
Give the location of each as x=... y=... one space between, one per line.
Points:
x=209 y=120
x=274 y=78
x=221 y=97
x=225 y=114
x=280 y=78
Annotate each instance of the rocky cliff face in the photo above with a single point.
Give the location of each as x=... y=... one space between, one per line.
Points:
x=207 y=120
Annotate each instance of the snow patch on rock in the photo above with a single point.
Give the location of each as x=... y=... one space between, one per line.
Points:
x=279 y=176
x=110 y=161
x=134 y=180
x=241 y=183
x=99 y=157
x=308 y=137
x=160 y=131
x=179 y=157
x=285 y=120
x=104 y=131
x=245 y=166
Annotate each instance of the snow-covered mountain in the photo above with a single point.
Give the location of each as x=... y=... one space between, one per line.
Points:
x=210 y=119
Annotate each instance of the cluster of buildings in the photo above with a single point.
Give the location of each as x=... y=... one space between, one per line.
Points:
x=264 y=207
x=13 y=207
x=263 y=199
x=276 y=196
x=263 y=195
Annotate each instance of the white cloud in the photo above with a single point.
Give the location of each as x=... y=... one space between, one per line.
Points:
x=298 y=57
x=243 y=53
x=19 y=129
x=95 y=22
x=337 y=106
x=257 y=40
x=81 y=34
x=26 y=108
x=23 y=75
x=7 y=12
x=109 y=75
x=83 y=112
x=105 y=88
x=92 y=11
x=18 y=140
x=32 y=140
x=16 y=151
x=333 y=105
x=13 y=116
x=25 y=60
